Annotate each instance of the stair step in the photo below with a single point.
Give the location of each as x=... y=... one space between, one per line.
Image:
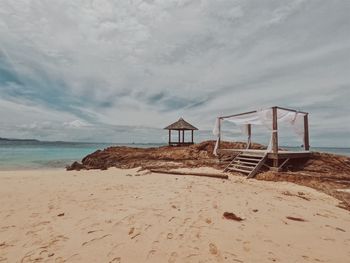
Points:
x=238 y=170
x=247 y=163
x=242 y=165
x=247 y=159
x=248 y=168
x=251 y=155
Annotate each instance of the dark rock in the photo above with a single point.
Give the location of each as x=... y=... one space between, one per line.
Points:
x=75 y=166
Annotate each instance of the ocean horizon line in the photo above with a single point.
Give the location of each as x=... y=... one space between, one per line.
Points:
x=133 y=143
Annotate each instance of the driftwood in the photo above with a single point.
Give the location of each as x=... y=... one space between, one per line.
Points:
x=295 y=218
x=220 y=176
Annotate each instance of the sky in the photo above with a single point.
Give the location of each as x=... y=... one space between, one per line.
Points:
x=120 y=71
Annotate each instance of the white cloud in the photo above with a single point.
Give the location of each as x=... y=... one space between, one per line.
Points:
x=116 y=63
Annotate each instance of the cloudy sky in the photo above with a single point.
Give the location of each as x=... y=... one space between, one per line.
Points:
x=118 y=71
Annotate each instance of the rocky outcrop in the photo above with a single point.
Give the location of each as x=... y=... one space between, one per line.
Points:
x=161 y=157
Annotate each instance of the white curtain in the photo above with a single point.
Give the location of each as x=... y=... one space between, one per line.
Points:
x=264 y=118
x=216 y=132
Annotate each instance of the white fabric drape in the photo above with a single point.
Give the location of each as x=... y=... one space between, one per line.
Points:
x=264 y=118
x=216 y=132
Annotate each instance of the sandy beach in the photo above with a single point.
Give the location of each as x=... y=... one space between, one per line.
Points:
x=125 y=216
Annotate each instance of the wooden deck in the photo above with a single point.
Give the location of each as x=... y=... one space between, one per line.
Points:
x=280 y=155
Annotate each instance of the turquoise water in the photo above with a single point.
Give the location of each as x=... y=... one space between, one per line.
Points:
x=340 y=151
x=17 y=155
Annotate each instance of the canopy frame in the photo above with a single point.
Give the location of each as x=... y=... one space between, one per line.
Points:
x=274 y=133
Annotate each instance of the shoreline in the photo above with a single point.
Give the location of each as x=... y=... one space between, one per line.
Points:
x=122 y=215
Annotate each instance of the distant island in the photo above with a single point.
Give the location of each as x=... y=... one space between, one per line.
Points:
x=18 y=140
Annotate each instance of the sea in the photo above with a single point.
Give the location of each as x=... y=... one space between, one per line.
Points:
x=32 y=154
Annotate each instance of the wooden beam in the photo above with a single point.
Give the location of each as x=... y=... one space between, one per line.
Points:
x=249 y=112
x=236 y=115
x=303 y=112
x=220 y=176
x=274 y=135
x=306 y=133
x=192 y=136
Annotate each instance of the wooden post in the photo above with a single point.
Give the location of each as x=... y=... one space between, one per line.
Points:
x=192 y=136
x=169 y=137
x=219 y=133
x=183 y=136
x=275 y=136
x=306 y=133
x=249 y=126
x=179 y=136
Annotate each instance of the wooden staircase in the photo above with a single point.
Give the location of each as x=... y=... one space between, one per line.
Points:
x=247 y=163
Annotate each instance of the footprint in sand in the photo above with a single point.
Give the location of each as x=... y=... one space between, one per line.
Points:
x=116 y=260
x=213 y=249
x=170 y=236
x=246 y=246
x=173 y=257
x=151 y=253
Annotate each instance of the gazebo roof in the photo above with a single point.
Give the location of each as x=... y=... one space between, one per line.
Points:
x=181 y=124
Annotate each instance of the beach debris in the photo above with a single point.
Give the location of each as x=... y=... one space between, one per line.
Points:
x=208 y=221
x=296 y=218
x=128 y=175
x=213 y=175
x=2 y=244
x=255 y=210
x=136 y=235
x=51 y=255
x=61 y=214
x=344 y=205
x=340 y=229
x=300 y=195
x=232 y=216
x=131 y=230
x=336 y=228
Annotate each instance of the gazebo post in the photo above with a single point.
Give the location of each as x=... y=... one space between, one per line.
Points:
x=306 y=133
x=192 y=136
x=275 y=136
x=169 y=137
x=179 y=137
x=183 y=136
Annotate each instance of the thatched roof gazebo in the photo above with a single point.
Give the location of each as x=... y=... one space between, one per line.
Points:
x=181 y=126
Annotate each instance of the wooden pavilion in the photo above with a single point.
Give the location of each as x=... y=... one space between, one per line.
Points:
x=249 y=161
x=180 y=126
